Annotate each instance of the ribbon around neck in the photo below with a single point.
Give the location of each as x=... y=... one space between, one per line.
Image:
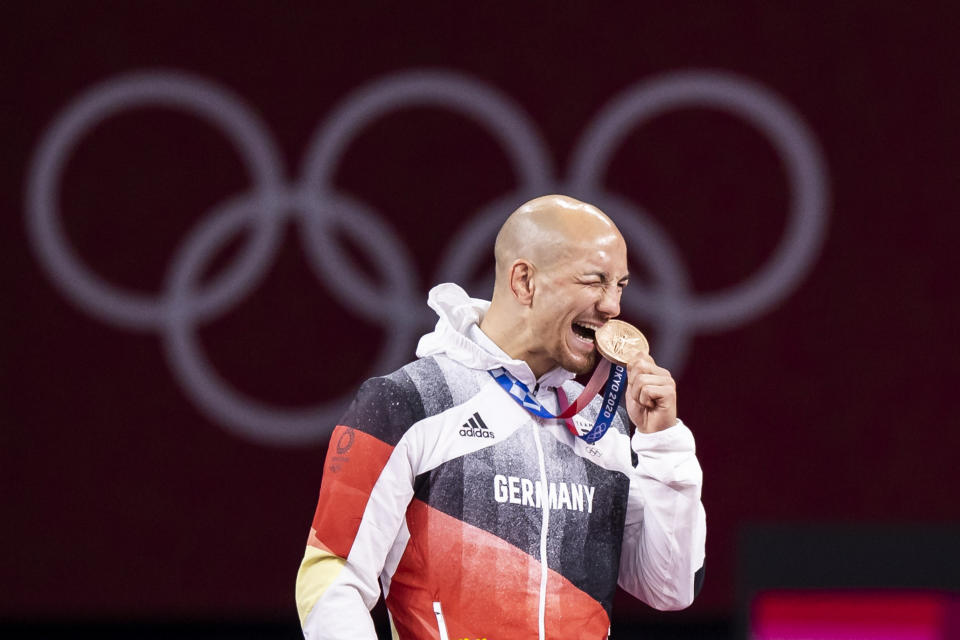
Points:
x=613 y=377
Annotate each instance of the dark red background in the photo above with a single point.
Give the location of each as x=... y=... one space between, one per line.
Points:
x=122 y=500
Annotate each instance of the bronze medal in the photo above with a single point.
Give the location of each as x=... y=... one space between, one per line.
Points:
x=620 y=342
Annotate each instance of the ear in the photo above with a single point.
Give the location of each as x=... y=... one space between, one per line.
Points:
x=521 y=281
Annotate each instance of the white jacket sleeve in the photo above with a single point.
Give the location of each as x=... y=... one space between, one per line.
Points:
x=665 y=529
x=336 y=590
x=366 y=486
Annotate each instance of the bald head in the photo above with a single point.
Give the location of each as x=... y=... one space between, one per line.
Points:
x=546 y=229
x=561 y=268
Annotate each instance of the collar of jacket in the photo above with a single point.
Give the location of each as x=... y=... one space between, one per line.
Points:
x=451 y=337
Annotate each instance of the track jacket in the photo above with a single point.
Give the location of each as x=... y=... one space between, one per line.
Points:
x=482 y=520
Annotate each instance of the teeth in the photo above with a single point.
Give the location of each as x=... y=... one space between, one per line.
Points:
x=589 y=327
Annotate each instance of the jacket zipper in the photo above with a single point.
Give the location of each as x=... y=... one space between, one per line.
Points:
x=441 y=625
x=544 y=527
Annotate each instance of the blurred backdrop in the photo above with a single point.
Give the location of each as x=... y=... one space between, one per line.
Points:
x=219 y=218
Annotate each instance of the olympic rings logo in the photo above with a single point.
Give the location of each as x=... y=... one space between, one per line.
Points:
x=319 y=209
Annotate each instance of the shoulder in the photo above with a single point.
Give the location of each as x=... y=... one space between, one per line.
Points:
x=386 y=406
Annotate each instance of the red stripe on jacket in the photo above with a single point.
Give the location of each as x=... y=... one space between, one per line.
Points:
x=486 y=586
x=354 y=462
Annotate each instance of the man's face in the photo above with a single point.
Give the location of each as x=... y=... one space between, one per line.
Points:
x=574 y=296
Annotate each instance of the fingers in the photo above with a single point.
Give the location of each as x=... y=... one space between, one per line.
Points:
x=651 y=396
x=645 y=364
x=648 y=380
x=650 y=385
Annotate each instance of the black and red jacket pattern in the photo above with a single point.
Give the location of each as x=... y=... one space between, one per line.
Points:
x=483 y=521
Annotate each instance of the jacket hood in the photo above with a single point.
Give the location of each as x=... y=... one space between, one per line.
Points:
x=451 y=337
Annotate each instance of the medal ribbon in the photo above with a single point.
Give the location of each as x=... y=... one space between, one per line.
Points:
x=615 y=377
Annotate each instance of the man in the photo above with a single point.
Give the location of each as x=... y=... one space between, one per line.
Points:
x=482 y=518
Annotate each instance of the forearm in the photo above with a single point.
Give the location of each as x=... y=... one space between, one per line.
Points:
x=366 y=486
x=332 y=599
x=665 y=528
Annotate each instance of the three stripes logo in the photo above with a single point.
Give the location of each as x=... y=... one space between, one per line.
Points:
x=475 y=427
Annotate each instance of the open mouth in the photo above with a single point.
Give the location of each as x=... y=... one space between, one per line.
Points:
x=584 y=331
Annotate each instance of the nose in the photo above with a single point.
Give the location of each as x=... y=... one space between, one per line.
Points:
x=609 y=303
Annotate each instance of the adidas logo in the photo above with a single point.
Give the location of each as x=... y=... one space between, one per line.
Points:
x=475 y=427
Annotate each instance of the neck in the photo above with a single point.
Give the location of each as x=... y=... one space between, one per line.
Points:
x=509 y=332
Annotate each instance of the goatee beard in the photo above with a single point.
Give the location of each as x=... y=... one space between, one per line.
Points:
x=582 y=368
